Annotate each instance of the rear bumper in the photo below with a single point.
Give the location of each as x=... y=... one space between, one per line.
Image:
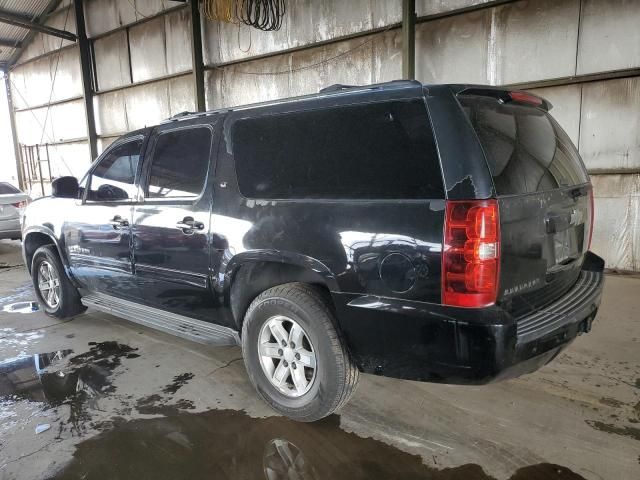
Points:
x=10 y=228
x=430 y=342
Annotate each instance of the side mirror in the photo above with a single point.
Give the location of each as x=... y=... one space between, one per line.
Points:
x=65 y=187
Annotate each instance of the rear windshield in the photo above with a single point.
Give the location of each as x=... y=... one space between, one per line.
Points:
x=527 y=151
x=366 y=151
x=6 y=188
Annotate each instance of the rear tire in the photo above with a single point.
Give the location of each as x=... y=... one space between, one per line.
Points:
x=55 y=292
x=302 y=309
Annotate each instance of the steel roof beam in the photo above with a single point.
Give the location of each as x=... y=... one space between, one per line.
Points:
x=26 y=22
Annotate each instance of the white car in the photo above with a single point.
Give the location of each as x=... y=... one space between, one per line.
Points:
x=12 y=204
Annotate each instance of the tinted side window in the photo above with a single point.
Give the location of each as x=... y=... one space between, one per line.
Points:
x=7 y=188
x=180 y=163
x=113 y=179
x=379 y=151
x=526 y=149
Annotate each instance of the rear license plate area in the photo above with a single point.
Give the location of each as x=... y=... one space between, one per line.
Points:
x=565 y=246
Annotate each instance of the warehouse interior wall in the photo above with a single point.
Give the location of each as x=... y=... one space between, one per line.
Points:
x=582 y=55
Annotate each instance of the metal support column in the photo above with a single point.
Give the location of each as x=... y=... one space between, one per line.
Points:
x=87 y=84
x=14 y=133
x=196 y=56
x=409 y=39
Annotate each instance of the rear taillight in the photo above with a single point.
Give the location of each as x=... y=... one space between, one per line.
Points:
x=524 y=97
x=592 y=214
x=22 y=204
x=471 y=255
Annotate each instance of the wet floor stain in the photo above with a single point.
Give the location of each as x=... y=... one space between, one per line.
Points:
x=227 y=444
x=618 y=429
x=624 y=430
x=21 y=307
x=611 y=402
x=157 y=405
x=545 y=471
x=179 y=381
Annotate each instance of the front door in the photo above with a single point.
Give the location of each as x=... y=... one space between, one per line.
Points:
x=98 y=234
x=171 y=225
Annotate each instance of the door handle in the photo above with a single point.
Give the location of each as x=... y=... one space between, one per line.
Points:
x=118 y=222
x=188 y=225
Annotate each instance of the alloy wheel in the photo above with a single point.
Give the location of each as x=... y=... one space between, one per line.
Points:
x=287 y=356
x=49 y=284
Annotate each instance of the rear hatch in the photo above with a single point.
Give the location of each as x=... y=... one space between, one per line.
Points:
x=544 y=196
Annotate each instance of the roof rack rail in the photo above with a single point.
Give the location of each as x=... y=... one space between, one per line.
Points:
x=181 y=114
x=339 y=86
x=336 y=88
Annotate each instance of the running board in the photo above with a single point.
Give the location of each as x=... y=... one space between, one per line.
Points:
x=174 y=324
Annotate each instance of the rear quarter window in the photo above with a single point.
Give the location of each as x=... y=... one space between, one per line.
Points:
x=368 y=151
x=526 y=150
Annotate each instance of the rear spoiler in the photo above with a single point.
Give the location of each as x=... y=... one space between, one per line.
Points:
x=507 y=96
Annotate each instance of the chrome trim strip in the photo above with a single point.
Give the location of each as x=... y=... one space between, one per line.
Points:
x=82 y=260
x=171 y=275
x=174 y=324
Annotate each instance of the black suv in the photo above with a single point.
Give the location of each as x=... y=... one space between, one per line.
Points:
x=427 y=232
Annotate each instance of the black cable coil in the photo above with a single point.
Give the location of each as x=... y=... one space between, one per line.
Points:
x=264 y=15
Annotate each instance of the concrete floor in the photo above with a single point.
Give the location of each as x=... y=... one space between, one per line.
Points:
x=129 y=402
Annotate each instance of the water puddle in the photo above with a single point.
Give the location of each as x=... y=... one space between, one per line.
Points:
x=224 y=444
x=21 y=307
x=80 y=383
x=230 y=444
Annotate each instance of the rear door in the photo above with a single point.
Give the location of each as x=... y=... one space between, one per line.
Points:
x=544 y=194
x=171 y=225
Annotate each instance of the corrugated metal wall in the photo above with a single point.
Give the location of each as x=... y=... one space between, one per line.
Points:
x=583 y=55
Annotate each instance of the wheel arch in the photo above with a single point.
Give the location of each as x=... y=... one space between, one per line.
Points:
x=248 y=275
x=36 y=237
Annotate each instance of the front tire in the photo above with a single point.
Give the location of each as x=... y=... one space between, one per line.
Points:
x=294 y=354
x=55 y=292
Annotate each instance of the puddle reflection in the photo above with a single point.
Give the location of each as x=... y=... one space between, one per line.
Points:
x=18 y=293
x=21 y=307
x=80 y=384
x=24 y=377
